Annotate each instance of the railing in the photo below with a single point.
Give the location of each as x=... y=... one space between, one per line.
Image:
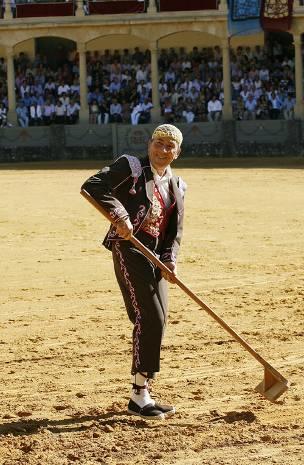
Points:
x=46 y=8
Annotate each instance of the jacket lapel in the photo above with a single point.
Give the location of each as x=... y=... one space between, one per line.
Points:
x=149 y=180
x=177 y=194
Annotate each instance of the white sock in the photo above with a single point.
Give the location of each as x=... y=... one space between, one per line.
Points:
x=141 y=396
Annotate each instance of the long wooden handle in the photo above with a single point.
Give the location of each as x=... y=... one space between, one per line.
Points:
x=177 y=281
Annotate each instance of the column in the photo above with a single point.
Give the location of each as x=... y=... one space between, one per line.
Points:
x=84 y=110
x=296 y=4
x=152 y=7
x=155 y=112
x=298 y=76
x=79 y=10
x=227 y=110
x=223 y=6
x=8 y=10
x=11 y=95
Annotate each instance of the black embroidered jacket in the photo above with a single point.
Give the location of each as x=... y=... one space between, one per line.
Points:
x=125 y=189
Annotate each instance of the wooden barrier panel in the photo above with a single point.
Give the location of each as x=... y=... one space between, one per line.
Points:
x=188 y=5
x=117 y=7
x=34 y=10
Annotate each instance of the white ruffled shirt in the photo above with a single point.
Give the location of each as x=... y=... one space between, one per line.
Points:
x=162 y=183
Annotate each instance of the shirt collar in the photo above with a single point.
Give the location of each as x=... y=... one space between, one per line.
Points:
x=166 y=176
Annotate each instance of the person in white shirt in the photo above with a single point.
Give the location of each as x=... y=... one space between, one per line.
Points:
x=275 y=105
x=35 y=115
x=72 y=112
x=60 y=112
x=64 y=99
x=3 y=115
x=141 y=113
x=214 y=109
x=63 y=89
x=48 y=111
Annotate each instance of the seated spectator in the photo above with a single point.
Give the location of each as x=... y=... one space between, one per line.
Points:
x=288 y=107
x=22 y=114
x=72 y=112
x=168 y=111
x=201 y=109
x=275 y=105
x=250 y=107
x=141 y=113
x=35 y=113
x=135 y=113
x=262 y=109
x=48 y=111
x=125 y=111
x=75 y=87
x=239 y=109
x=179 y=108
x=93 y=112
x=60 y=112
x=115 y=111
x=145 y=114
x=3 y=115
x=114 y=86
x=188 y=114
x=64 y=99
x=63 y=88
x=214 y=109
x=103 y=116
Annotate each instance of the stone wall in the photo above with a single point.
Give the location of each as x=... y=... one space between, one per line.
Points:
x=222 y=139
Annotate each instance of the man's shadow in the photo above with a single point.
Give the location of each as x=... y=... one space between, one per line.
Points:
x=72 y=424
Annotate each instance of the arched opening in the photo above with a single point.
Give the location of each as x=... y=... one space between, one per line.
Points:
x=55 y=51
x=189 y=39
x=116 y=42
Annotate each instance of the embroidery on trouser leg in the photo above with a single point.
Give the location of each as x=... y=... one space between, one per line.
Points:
x=137 y=324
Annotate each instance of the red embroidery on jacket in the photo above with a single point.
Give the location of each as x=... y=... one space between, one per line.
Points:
x=158 y=215
x=139 y=215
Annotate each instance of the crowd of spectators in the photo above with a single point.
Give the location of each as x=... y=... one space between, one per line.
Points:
x=120 y=88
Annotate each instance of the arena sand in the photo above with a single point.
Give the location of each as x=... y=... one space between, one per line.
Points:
x=65 y=338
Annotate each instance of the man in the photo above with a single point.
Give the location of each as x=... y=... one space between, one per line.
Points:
x=288 y=107
x=214 y=109
x=250 y=107
x=145 y=199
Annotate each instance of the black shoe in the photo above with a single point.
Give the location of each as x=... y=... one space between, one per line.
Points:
x=149 y=411
x=168 y=410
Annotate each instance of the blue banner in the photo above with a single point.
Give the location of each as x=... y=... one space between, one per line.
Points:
x=244 y=17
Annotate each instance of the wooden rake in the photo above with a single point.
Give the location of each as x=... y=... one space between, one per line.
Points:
x=273 y=384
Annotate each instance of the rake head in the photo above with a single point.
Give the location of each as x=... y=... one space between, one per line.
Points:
x=272 y=386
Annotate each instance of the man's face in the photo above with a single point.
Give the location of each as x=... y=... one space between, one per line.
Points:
x=162 y=151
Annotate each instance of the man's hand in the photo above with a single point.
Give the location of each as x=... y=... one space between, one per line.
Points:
x=124 y=228
x=172 y=267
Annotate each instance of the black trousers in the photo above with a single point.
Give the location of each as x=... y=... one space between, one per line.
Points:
x=145 y=295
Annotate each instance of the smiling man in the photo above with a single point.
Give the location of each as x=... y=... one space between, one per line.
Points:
x=144 y=199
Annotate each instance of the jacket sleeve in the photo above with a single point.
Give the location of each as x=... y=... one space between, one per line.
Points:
x=174 y=232
x=102 y=187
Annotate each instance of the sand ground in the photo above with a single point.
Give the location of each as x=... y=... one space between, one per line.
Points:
x=65 y=338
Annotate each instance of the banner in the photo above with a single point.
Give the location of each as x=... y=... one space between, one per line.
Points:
x=276 y=15
x=244 y=17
